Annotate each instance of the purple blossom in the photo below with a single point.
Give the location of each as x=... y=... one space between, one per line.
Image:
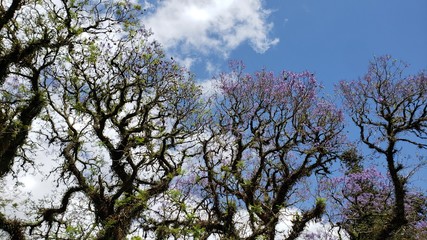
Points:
x=264 y=86
x=370 y=193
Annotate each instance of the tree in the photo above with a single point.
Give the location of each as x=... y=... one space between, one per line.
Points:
x=37 y=38
x=123 y=118
x=390 y=110
x=137 y=151
x=266 y=135
x=362 y=204
x=29 y=42
x=33 y=35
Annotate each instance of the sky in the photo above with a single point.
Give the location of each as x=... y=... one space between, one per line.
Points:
x=334 y=39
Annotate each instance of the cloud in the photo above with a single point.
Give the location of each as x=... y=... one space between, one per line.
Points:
x=209 y=26
x=313 y=230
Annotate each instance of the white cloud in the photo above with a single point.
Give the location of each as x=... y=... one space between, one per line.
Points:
x=212 y=68
x=314 y=230
x=185 y=61
x=211 y=25
x=208 y=87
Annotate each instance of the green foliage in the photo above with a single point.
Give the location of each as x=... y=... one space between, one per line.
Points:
x=93 y=52
x=197 y=231
x=136 y=238
x=175 y=194
x=321 y=202
x=72 y=232
x=256 y=209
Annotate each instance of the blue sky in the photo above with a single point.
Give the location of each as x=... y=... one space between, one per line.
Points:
x=335 y=39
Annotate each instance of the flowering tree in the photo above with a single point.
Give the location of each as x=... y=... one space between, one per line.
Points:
x=389 y=109
x=362 y=204
x=265 y=136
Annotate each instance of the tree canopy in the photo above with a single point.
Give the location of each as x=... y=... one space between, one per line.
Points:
x=138 y=151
